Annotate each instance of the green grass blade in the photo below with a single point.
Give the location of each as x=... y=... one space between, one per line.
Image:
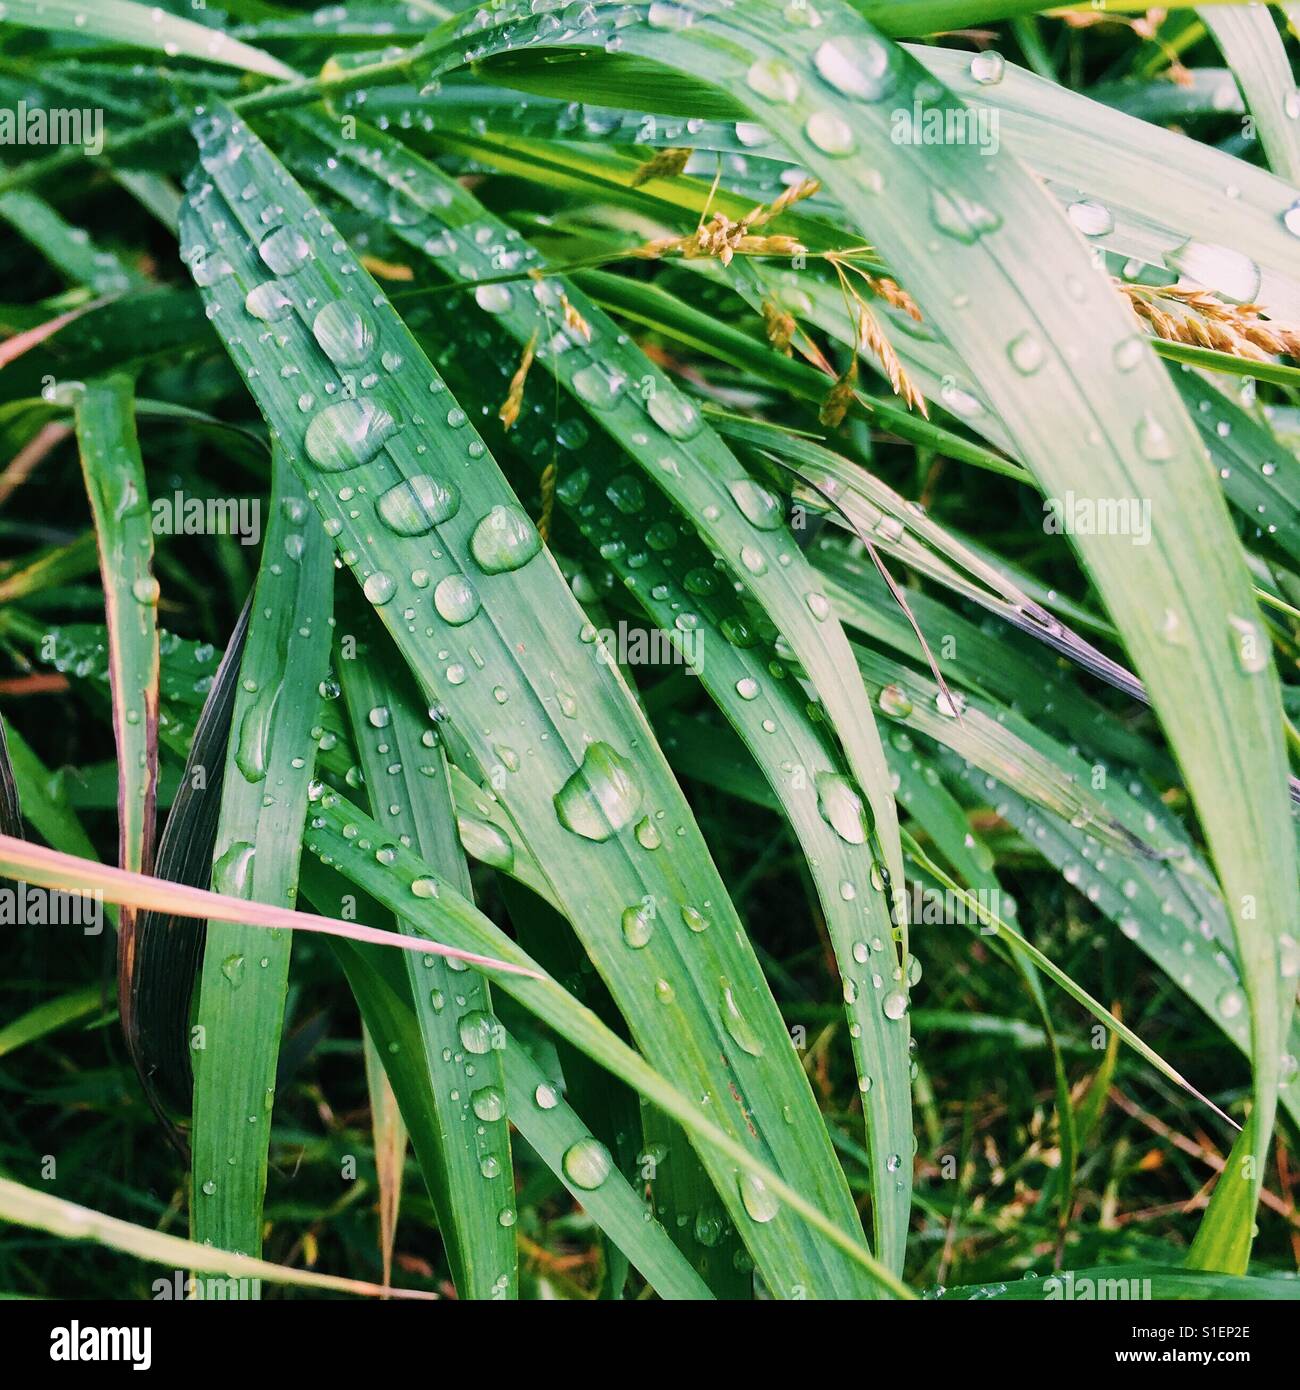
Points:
x=471 y=1182
x=244 y=975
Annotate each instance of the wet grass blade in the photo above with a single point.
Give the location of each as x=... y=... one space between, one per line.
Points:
x=119 y=505
x=144 y=26
x=405 y=775
x=244 y=975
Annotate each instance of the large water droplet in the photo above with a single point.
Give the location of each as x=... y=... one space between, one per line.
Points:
x=417 y=505
x=842 y=808
x=760 y=507
x=638 y=925
x=348 y=434
x=586 y=1163
x=478 y=1032
x=344 y=334
x=503 y=540
x=855 y=67
x=773 y=80
x=284 y=250
x=736 y=1024
x=831 y=133
x=761 y=1205
x=601 y=797
x=961 y=217
x=1230 y=274
x=456 y=599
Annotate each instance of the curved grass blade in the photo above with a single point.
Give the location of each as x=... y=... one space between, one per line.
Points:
x=144 y=26
x=43 y=1211
x=1252 y=47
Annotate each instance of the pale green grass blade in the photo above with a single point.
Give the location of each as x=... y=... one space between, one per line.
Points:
x=514 y=675
x=1090 y=153
x=390 y=1136
x=43 y=1211
x=241 y=998
x=144 y=26
x=1253 y=50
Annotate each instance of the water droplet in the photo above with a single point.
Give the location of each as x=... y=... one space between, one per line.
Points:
x=416 y=506
x=456 y=599
x=842 y=808
x=546 y=1096
x=987 y=68
x=344 y=334
x=895 y=702
x=761 y=1205
x=674 y=414
x=488 y=1103
x=268 y=302
x=855 y=67
x=284 y=250
x=233 y=969
x=1231 y=1002
x=773 y=80
x=586 y=1163
x=1090 y=218
x=961 y=217
x=504 y=540
x=1230 y=274
x=347 y=434
x=638 y=925
x=1153 y=441
x=478 y=1032
x=379 y=587
x=1026 y=354
x=736 y=1024
x=831 y=133
x=601 y=797
x=759 y=507
x=894 y=1004
x=493 y=299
